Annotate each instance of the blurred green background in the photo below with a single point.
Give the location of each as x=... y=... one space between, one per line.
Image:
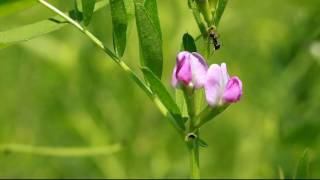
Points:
x=59 y=90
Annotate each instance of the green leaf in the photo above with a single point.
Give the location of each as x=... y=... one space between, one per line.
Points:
x=87 y=10
x=208 y=114
x=188 y=43
x=30 y=31
x=221 y=5
x=197 y=16
x=149 y=35
x=202 y=143
x=151 y=6
x=181 y=102
x=8 y=7
x=302 y=167
x=159 y=89
x=120 y=24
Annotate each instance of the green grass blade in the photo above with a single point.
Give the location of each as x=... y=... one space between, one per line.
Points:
x=303 y=166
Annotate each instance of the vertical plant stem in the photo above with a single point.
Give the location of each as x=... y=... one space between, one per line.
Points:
x=193 y=148
x=192 y=137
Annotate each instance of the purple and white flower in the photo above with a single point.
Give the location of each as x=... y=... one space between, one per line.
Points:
x=220 y=88
x=190 y=70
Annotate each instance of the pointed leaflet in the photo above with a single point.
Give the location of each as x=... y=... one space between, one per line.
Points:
x=120 y=24
x=149 y=32
x=159 y=89
x=302 y=167
x=188 y=43
x=87 y=10
x=221 y=5
x=30 y=31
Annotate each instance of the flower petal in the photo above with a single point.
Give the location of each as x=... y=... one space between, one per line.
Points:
x=225 y=74
x=213 y=85
x=183 y=72
x=182 y=55
x=174 y=80
x=199 y=70
x=201 y=59
x=233 y=90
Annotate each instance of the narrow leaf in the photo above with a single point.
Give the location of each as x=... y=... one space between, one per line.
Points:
x=87 y=10
x=188 y=43
x=8 y=7
x=130 y=14
x=181 y=102
x=202 y=143
x=151 y=7
x=208 y=114
x=30 y=31
x=120 y=24
x=303 y=166
x=221 y=5
x=159 y=89
x=149 y=36
x=197 y=16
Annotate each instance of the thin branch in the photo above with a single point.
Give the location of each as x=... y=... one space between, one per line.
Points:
x=60 y=151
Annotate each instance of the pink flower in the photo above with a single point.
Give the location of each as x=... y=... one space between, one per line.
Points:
x=219 y=88
x=190 y=70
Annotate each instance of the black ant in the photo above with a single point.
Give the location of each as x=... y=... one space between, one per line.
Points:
x=213 y=34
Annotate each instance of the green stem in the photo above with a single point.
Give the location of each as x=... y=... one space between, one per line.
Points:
x=193 y=147
x=192 y=137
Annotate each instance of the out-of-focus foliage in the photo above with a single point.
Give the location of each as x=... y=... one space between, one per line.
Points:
x=59 y=90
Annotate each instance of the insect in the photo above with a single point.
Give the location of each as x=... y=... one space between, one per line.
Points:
x=213 y=34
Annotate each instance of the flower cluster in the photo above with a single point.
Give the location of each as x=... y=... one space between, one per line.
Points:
x=192 y=71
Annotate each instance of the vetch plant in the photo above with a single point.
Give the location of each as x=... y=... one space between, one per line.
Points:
x=191 y=73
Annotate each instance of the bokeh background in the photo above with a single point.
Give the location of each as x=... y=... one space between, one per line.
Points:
x=59 y=90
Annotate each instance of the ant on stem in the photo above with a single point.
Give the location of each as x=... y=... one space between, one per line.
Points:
x=213 y=34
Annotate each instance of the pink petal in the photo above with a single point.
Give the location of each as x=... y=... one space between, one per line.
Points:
x=233 y=90
x=225 y=74
x=174 y=81
x=183 y=72
x=182 y=55
x=201 y=59
x=213 y=85
x=199 y=70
